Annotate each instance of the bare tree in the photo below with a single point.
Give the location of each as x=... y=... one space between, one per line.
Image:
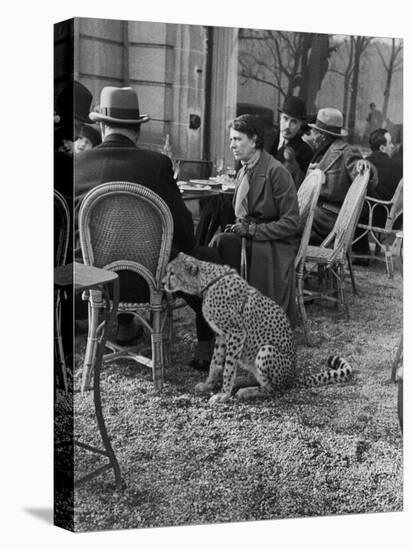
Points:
x=360 y=44
x=347 y=47
x=314 y=66
x=393 y=65
x=286 y=61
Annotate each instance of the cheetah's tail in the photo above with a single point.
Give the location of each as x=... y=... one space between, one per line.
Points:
x=339 y=371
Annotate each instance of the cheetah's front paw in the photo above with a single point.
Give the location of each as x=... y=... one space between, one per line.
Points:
x=219 y=398
x=203 y=387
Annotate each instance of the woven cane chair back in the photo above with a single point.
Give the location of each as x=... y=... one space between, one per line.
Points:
x=61 y=229
x=307 y=195
x=126 y=226
x=342 y=233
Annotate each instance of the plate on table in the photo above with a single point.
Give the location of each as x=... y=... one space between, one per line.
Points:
x=199 y=182
x=215 y=182
x=194 y=187
x=228 y=186
x=223 y=180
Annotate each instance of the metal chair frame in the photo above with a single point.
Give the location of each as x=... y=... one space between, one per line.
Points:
x=382 y=237
x=330 y=256
x=159 y=308
x=61 y=209
x=307 y=195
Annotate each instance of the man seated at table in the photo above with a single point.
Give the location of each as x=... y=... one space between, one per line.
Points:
x=286 y=144
x=119 y=158
x=389 y=173
x=341 y=163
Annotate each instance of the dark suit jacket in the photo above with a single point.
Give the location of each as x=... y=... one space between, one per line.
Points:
x=303 y=152
x=118 y=159
x=389 y=172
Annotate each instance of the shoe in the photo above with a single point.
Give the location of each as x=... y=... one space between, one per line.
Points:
x=199 y=364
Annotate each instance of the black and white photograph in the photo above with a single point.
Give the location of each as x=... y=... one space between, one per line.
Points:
x=227 y=303
x=243 y=190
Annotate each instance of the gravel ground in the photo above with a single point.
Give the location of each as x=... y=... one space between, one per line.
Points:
x=310 y=452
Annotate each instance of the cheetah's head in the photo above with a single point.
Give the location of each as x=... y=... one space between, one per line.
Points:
x=182 y=274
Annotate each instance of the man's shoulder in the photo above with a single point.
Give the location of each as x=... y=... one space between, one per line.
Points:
x=379 y=158
x=132 y=153
x=385 y=163
x=340 y=144
x=275 y=168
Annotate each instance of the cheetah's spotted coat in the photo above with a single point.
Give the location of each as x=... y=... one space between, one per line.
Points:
x=252 y=331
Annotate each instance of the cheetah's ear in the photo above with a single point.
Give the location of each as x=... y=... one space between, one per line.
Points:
x=191 y=266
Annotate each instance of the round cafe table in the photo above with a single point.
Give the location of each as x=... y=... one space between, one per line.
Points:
x=77 y=278
x=215 y=210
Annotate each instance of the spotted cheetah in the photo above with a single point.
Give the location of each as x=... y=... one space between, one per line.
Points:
x=252 y=331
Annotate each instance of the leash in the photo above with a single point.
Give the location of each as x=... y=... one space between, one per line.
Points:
x=244 y=267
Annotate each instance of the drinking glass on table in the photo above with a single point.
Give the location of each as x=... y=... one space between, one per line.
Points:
x=220 y=166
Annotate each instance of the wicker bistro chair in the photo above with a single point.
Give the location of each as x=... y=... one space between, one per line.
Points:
x=307 y=195
x=382 y=237
x=125 y=226
x=330 y=257
x=61 y=245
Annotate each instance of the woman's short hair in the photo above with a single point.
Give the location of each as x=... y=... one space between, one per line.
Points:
x=250 y=125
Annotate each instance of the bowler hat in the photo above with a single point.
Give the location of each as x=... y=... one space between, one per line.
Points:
x=120 y=106
x=294 y=107
x=330 y=121
x=74 y=100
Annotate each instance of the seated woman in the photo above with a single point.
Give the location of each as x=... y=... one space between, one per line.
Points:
x=266 y=211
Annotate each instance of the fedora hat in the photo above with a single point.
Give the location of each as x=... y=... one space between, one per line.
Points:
x=74 y=100
x=294 y=107
x=119 y=105
x=330 y=121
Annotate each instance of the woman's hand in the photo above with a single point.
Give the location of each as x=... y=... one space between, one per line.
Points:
x=242 y=227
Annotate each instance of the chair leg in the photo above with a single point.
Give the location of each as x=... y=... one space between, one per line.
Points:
x=389 y=260
x=301 y=305
x=350 y=268
x=58 y=344
x=396 y=360
x=157 y=350
x=340 y=290
x=91 y=346
x=167 y=339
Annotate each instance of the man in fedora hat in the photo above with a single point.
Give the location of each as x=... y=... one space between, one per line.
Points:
x=340 y=162
x=286 y=144
x=119 y=158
